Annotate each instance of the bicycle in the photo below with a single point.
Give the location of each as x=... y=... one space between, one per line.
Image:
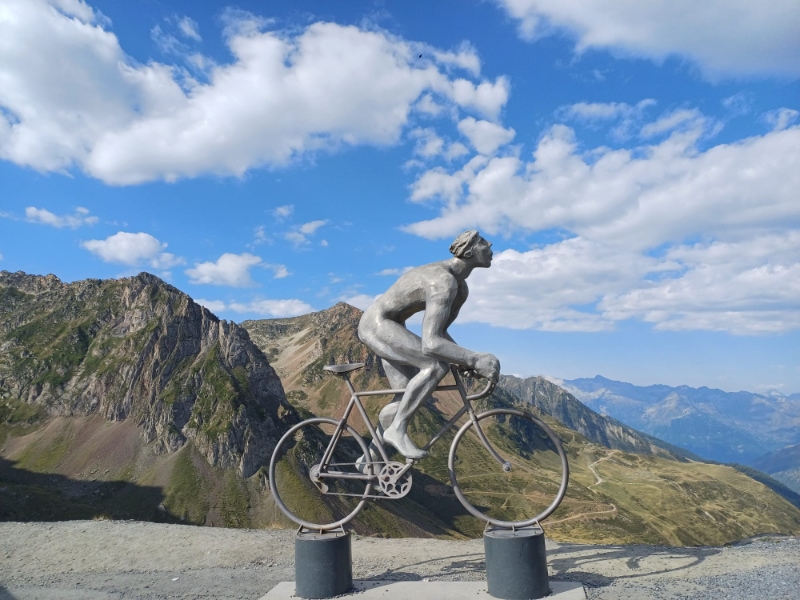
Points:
x=316 y=462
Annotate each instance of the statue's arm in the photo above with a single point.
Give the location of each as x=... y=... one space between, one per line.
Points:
x=441 y=307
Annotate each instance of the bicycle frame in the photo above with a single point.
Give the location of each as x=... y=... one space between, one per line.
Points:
x=355 y=401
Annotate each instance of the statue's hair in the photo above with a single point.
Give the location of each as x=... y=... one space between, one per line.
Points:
x=463 y=244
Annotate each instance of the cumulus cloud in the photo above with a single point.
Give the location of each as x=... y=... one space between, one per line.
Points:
x=229 y=269
x=484 y=136
x=632 y=219
x=723 y=37
x=283 y=95
x=642 y=197
x=43 y=216
x=133 y=249
x=269 y=308
x=745 y=287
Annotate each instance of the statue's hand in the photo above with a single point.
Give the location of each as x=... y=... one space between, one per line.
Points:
x=488 y=367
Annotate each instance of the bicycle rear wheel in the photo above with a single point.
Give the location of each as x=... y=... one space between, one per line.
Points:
x=311 y=501
x=534 y=481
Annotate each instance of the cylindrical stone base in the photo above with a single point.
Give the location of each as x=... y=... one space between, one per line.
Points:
x=516 y=563
x=323 y=564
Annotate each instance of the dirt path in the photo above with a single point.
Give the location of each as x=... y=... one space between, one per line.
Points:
x=594 y=471
x=104 y=560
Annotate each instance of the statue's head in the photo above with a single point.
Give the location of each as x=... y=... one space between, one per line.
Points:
x=470 y=245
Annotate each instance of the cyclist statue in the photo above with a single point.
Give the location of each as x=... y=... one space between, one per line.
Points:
x=419 y=363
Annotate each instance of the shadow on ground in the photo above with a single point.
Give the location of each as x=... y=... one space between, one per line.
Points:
x=30 y=496
x=4 y=594
x=468 y=564
x=650 y=561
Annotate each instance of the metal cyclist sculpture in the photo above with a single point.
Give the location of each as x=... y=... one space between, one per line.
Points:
x=417 y=363
x=322 y=470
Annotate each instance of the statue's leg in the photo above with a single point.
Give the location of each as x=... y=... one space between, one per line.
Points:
x=398 y=375
x=399 y=346
x=417 y=391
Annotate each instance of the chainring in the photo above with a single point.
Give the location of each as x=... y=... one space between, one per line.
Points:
x=391 y=482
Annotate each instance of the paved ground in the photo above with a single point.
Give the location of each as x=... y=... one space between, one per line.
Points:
x=104 y=560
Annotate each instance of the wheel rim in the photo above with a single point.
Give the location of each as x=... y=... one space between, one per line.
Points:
x=273 y=480
x=499 y=522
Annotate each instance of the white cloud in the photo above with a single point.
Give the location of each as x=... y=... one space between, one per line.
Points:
x=484 y=136
x=283 y=95
x=642 y=197
x=724 y=37
x=189 y=28
x=628 y=117
x=541 y=288
x=282 y=212
x=630 y=215
x=466 y=58
x=360 y=301
x=781 y=118
x=270 y=308
x=299 y=236
x=685 y=119
x=394 y=272
x=214 y=306
x=745 y=287
x=229 y=269
x=45 y=217
x=279 y=271
x=311 y=227
x=133 y=249
x=429 y=144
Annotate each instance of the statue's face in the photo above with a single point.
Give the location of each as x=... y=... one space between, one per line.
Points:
x=482 y=253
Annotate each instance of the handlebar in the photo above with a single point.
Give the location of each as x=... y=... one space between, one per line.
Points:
x=484 y=392
x=490 y=385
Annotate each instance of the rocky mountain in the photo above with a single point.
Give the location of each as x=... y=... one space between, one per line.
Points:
x=717 y=425
x=564 y=407
x=133 y=376
x=138 y=348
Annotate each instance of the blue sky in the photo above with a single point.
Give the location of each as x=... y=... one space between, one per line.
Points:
x=636 y=165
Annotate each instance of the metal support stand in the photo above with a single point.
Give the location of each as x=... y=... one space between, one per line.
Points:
x=516 y=563
x=323 y=563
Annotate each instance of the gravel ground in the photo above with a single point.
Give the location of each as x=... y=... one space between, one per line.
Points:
x=103 y=560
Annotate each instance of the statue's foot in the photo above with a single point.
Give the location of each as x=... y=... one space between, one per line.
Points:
x=403 y=443
x=362 y=462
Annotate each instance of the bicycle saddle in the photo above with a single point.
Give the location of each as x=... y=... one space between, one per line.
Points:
x=339 y=369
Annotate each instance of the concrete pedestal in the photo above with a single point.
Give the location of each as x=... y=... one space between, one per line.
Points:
x=516 y=563
x=323 y=564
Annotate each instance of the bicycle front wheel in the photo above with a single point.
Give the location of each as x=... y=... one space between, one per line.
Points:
x=528 y=482
x=307 y=497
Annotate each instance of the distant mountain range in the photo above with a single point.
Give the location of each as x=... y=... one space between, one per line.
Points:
x=126 y=399
x=722 y=426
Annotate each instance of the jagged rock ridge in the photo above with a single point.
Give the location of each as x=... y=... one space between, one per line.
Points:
x=560 y=404
x=138 y=348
